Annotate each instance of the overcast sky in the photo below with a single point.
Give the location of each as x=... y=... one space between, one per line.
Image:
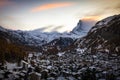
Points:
x=59 y=15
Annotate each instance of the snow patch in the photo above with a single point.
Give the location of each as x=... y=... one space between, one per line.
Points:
x=11 y=66
x=61 y=53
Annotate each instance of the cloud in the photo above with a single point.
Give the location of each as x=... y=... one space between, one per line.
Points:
x=102 y=12
x=57 y=28
x=117 y=6
x=91 y=18
x=50 y=28
x=51 y=6
x=44 y=28
x=5 y=3
x=114 y=7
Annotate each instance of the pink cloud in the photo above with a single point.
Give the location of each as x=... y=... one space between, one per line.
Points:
x=5 y=3
x=51 y=6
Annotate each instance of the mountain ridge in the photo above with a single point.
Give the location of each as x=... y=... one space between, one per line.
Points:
x=37 y=37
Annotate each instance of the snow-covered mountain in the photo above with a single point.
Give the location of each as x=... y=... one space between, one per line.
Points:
x=80 y=30
x=83 y=27
x=38 y=38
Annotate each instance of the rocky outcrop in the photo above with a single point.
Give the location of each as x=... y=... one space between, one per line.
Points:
x=103 y=37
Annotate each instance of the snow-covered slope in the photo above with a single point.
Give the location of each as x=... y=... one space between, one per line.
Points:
x=38 y=38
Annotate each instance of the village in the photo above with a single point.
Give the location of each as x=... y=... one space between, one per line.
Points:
x=63 y=66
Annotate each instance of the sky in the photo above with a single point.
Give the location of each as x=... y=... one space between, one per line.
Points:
x=54 y=15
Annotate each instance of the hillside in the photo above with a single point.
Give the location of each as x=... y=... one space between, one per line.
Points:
x=103 y=37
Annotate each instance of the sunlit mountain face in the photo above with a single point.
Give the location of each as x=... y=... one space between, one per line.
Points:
x=34 y=14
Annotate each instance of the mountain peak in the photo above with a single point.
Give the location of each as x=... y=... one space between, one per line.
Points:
x=78 y=27
x=83 y=26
